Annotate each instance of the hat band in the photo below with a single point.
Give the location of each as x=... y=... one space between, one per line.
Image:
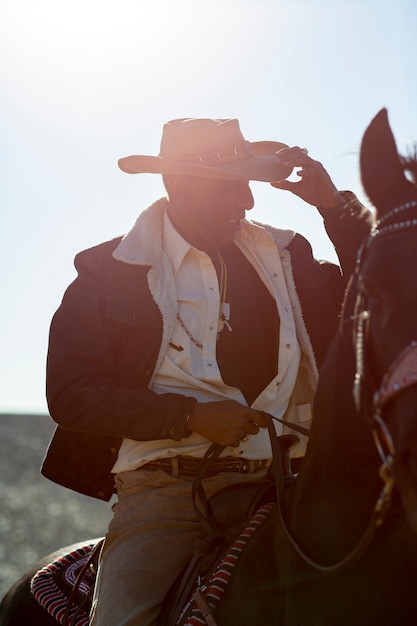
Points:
x=227 y=155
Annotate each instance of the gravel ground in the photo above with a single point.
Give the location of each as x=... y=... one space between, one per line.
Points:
x=36 y=515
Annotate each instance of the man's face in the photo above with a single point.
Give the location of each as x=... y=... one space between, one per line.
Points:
x=209 y=213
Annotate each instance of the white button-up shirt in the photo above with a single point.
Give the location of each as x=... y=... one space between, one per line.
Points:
x=193 y=371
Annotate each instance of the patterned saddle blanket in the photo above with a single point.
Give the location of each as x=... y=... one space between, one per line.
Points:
x=65 y=586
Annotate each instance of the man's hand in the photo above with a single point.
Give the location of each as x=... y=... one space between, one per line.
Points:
x=226 y=422
x=315 y=185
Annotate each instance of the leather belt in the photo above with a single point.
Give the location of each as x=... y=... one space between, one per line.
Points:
x=188 y=465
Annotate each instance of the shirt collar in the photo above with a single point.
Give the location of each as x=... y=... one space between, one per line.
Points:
x=173 y=243
x=177 y=247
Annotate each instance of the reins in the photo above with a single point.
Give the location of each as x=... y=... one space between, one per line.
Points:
x=385 y=448
x=377 y=517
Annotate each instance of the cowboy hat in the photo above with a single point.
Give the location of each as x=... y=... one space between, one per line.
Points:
x=210 y=148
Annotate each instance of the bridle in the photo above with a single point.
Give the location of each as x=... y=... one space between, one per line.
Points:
x=400 y=375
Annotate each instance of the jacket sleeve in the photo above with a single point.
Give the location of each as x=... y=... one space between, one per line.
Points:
x=103 y=344
x=347 y=227
x=320 y=284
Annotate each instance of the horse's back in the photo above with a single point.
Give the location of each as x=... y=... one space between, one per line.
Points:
x=19 y=607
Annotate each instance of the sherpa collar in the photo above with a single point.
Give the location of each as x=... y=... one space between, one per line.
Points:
x=142 y=245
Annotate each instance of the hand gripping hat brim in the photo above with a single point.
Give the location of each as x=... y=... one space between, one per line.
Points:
x=210 y=149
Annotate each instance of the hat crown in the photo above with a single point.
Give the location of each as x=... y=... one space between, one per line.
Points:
x=194 y=136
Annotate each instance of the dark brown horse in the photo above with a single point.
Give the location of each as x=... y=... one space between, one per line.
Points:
x=341 y=547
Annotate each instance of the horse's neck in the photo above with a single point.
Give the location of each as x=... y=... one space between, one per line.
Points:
x=338 y=482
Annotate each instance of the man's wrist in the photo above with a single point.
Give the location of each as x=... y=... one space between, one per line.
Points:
x=345 y=199
x=337 y=203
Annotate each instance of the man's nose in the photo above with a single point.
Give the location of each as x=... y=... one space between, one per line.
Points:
x=246 y=200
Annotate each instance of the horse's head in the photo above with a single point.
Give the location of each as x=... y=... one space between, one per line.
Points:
x=387 y=302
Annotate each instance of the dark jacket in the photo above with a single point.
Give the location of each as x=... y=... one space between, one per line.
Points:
x=105 y=340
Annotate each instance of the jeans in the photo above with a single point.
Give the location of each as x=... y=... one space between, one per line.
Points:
x=149 y=542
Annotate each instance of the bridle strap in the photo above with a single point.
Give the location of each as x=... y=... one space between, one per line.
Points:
x=401 y=374
x=381 y=229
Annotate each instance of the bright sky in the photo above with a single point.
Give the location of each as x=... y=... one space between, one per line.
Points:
x=84 y=82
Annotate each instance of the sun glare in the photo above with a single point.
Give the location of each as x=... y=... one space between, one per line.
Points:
x=84 y=45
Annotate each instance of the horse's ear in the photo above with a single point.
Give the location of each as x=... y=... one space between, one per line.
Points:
x=382 y=173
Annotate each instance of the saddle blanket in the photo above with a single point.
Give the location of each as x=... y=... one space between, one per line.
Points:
x=53 y=586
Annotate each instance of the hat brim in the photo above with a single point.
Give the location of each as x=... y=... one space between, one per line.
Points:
x=261 y=165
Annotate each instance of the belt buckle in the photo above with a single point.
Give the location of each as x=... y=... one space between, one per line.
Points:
x=248 y=466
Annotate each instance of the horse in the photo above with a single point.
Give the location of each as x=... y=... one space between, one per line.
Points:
x=339 y=545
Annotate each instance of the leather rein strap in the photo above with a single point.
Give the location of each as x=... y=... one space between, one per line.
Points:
x=376 y=520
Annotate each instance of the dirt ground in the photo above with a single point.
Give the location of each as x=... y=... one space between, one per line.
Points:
x=37 y=516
